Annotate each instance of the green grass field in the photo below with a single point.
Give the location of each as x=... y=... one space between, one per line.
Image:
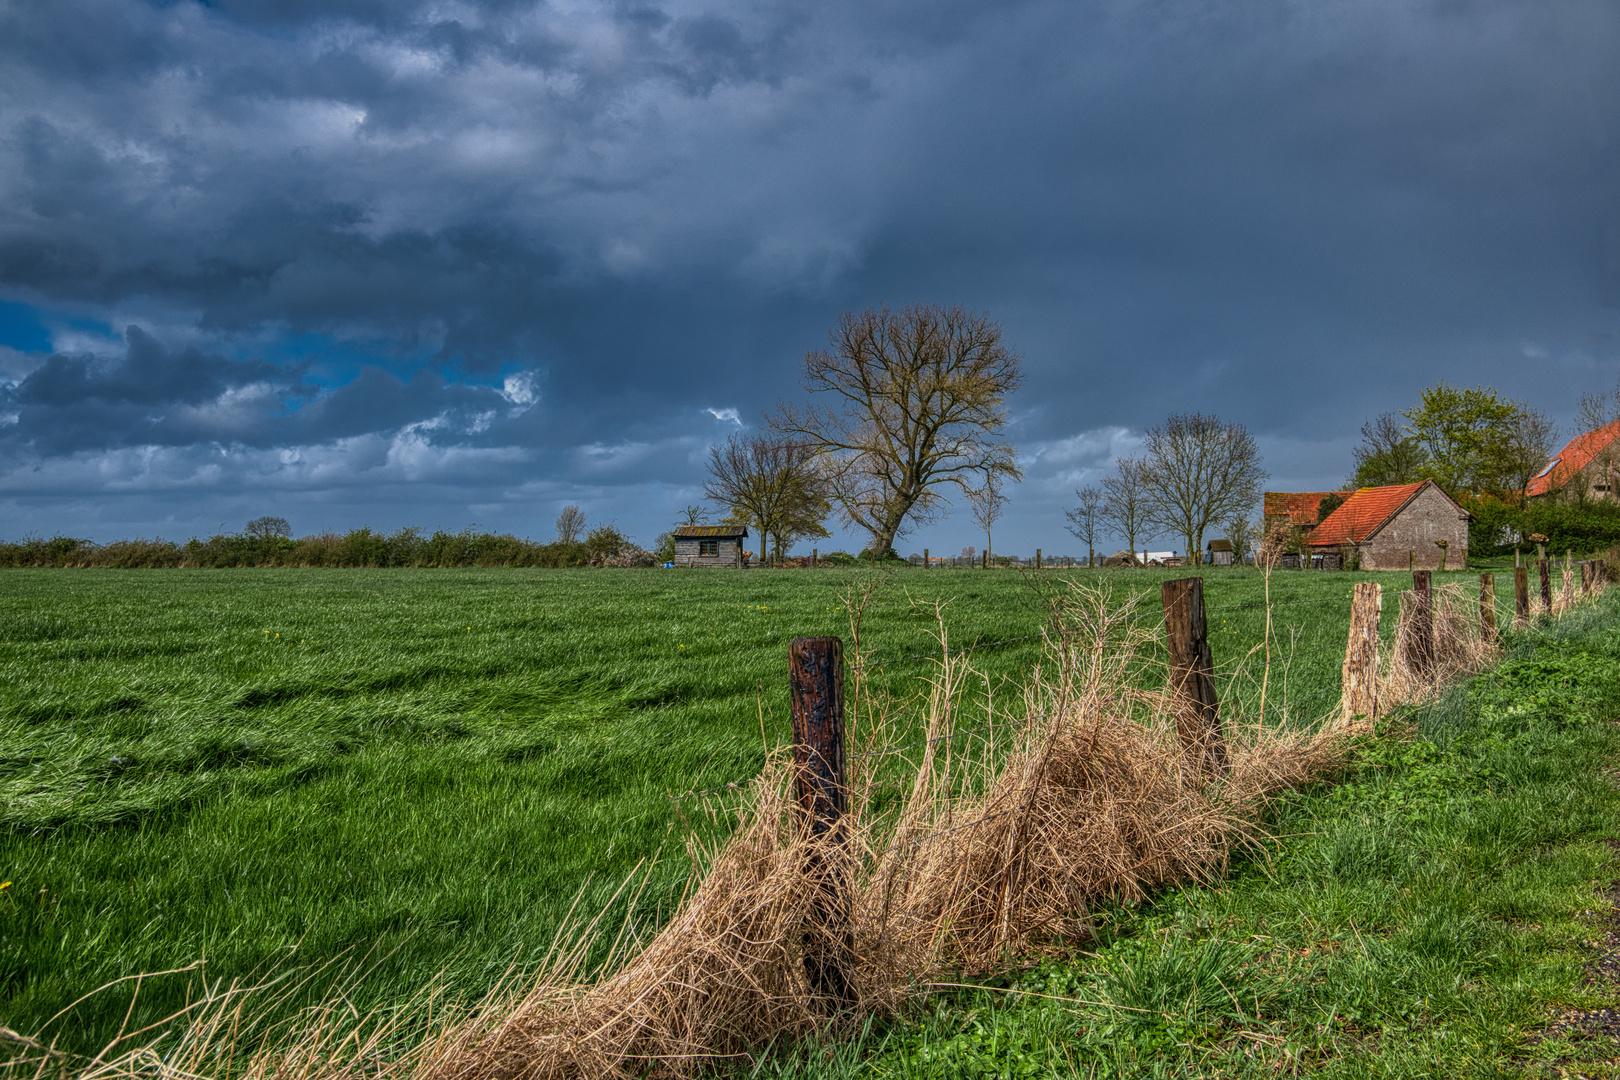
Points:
x=414 y=773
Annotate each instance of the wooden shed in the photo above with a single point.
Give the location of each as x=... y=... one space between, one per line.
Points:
x=710 y=545
x=1221 y=553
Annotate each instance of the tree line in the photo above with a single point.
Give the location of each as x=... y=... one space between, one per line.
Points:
x=268 y=542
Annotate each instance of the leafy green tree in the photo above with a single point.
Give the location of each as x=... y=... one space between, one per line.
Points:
x=1466 y=435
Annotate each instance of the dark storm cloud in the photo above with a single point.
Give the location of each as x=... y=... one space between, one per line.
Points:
x=1294 y=213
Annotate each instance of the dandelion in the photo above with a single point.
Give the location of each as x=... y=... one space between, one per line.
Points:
x=5 y=884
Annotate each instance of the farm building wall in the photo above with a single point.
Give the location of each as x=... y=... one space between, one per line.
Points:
x=688 y=552
x=1413 y=532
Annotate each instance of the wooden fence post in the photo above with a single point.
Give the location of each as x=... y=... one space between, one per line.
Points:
x=1487 y=608
x=816 y=691
x=1422 y=628
x=1586 y=576
x=1192 y=674
x=925 y=558
x=1360 y=677
x=1037 y=558
x=1521 y=595
x=813 y=554
x=1546 y=586
x=984 y=559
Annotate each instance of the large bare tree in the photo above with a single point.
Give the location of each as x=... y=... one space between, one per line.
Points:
x=1086 y=518
x=1127 y=506
x=917 y=405
x=772 y=482
x=1201 y=470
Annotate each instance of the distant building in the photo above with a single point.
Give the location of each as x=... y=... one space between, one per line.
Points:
x=1391 y=528
x=710 y=545
x=1588 y=467
x=1301 y=508
x=1220 y=553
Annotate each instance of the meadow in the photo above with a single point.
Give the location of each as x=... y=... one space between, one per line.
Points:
x=390 y=779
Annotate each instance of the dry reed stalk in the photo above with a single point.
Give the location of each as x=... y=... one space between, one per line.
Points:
x=1457 y=644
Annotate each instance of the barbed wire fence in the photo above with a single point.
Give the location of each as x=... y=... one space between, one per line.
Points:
x=1230 y=673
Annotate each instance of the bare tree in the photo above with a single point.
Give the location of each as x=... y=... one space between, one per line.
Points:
x=570 y=524
x=1127 y=506
x=918 y=405
x=1201 y=470
x=771 y=481
x=1241 y=533
x=1388 y=454
x=988 y=504
x=1598 y=410
x=268 y=528
x=1528 y=445
x=1085 y=519
x=693 y=515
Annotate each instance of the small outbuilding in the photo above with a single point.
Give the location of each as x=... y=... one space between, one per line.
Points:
x=710 y=545
x=1221 y=553
x=1394 y=527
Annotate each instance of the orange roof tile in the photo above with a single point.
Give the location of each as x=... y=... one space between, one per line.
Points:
x=1300 y=506
x=1575 y=456
x=1364 y=513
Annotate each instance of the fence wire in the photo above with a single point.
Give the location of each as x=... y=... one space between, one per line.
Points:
x=1224 y=672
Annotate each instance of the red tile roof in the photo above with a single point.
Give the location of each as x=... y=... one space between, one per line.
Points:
x=1364 y=513
x=1574 y=457
x=1300 y=506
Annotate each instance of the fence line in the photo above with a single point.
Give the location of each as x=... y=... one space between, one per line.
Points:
x=976 y=647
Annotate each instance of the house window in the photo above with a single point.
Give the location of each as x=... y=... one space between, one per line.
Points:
x=708 y=547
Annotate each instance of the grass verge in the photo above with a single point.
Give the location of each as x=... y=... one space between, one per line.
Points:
x=1430 y=914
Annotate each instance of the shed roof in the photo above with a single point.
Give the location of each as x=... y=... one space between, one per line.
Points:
x=1576 y=455
x=1366 y=511
x=1220 y=545
x=707 y=532
x=1300 y=506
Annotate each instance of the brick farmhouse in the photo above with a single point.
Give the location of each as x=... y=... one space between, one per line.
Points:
x=1391 y=528
x=1588 y=467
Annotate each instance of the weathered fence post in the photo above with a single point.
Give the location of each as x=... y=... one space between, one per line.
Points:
x=1487 y=608
x=813 y=554
x=1361 y=653
x=1037 y=558
x=1422 y=628
x=1192 y=674
x=1546 y=586
x=1521 y=595
x=1586 y=576
x=816 y=691
x=925 y=558
x=984 y=558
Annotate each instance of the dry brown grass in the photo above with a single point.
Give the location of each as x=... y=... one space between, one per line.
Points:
x=997 y=849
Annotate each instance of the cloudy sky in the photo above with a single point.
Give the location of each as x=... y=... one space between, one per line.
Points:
x=431 y=262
